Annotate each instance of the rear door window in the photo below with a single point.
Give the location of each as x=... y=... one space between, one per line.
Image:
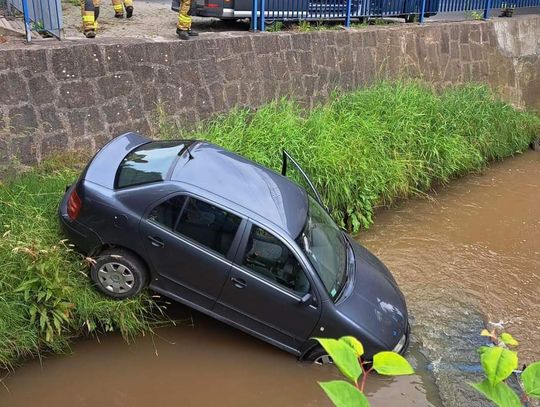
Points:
x=168 y=212
x=270 y=258
x=148 y=163
x=206 y=224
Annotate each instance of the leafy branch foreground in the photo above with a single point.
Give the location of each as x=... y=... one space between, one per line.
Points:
x=346 y=354
x=363 y=149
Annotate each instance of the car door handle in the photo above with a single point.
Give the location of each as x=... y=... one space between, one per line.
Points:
x=238 y=282
x=156 y=241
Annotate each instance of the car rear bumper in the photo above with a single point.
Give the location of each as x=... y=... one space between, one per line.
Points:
x=84 y=239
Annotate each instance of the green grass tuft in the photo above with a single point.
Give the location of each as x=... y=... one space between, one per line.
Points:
x=371 y=147
x=45 y=296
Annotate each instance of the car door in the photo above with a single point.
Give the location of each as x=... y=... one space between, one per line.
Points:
x=300 y=176
x=190 y=243
x=269 y=292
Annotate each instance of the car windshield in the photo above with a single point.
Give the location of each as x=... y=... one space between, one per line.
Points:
x=324 y=244
x=148 y=163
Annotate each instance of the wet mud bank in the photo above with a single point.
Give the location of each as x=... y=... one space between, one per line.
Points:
x=467 y=255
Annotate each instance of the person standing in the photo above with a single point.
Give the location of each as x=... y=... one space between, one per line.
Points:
x=183 y=29
x=90 y=13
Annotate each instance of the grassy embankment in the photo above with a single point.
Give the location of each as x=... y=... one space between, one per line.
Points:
x=362 y=149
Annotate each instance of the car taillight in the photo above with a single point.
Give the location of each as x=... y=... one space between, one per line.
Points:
x=74 y=205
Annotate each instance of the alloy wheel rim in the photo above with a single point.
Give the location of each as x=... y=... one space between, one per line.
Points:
x=116 y=278
x=323 y=360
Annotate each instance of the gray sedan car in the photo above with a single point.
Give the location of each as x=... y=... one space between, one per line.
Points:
x=232 y=239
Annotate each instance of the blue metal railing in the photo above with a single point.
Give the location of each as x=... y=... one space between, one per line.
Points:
x=318 y=10
x=44 y=16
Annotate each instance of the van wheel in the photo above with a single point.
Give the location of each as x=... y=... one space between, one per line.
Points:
x=318 y=356
x=119 y=273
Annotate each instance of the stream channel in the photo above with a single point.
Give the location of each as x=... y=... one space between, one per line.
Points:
x=466 y=255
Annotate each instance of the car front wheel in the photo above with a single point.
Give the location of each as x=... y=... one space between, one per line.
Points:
x=318 y=356
x=119 y=273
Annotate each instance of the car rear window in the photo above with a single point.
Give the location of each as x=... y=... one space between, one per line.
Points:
x=148 y=163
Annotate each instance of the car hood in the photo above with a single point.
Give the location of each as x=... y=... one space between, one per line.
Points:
x=373 y=300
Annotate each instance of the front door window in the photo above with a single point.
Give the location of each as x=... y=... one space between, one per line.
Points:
x=267 y=256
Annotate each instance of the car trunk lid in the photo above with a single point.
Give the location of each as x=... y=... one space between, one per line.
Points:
x=103 y=167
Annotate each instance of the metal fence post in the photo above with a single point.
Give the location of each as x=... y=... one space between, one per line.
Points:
x=487 y=9
x=261 y=24
x=26 y=21
x=422 y=11
x=254 y=4
x=348 y=16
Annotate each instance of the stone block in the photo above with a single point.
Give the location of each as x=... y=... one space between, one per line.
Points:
x=115 y=58
x=159 y=53
x=22 y=119
x=115 y=112
x=135 y=54
x=34 y=60
x=115 y=85
x=50 y=119
x=12 y=88
x=90 y=61
x=76 y=94
x=53 y=143
x=23 y=149
x=41 y=90
x=64 y=64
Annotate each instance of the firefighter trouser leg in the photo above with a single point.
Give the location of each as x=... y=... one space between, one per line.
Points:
x=119 y=5
x=184 y=17
x=90 y=13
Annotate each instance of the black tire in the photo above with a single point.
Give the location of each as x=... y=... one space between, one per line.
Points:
x=317 y=355
x=119 y=273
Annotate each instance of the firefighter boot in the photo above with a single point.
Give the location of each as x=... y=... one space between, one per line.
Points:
x=118 y=7
x=192 y=33
x=182 y=34
x=129 y=11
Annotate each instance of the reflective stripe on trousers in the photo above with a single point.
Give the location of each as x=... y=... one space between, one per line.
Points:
x=88 y=9
x=184 y=18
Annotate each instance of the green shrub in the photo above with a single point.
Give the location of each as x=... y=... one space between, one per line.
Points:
x=45 y=295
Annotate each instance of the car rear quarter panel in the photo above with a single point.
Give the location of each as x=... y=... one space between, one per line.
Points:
x=115 y=214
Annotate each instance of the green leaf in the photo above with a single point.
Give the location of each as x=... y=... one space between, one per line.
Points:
x=391 y=364
x=531 y=380
x=343 y=356
x=344 y=394
x=498 y=363
x=508 y=339
x=355 y=344
x=500 y=394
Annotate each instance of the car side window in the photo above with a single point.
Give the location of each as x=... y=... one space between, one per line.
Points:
x=167 y=213
x=267 y=256
x=208 y=225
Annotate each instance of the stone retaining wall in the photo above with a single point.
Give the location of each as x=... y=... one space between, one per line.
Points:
x=80 y=94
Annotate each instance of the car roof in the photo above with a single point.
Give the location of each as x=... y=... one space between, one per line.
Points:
x=244 y=183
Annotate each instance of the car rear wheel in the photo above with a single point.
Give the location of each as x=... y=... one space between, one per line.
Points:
x=318 y=356
x=119 y=274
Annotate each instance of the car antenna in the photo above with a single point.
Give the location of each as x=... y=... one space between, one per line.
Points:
x=190 y=156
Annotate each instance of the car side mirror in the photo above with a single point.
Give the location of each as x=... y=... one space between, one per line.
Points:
x=306 y=298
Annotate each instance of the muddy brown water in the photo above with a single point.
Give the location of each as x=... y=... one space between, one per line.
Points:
x=467 y=255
